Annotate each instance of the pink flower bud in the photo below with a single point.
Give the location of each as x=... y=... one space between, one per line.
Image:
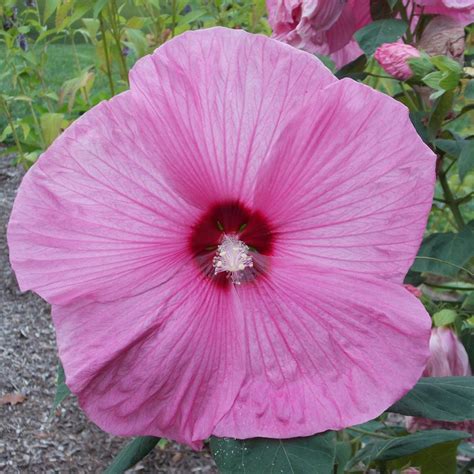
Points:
x=448 y=356
x=413 y=290
x=393 y=58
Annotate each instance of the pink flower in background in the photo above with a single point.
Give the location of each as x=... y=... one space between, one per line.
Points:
x=224 y=245
x=460 y=10
x=321 y=27
x=444 y=35
x=448 y=358
x=393 y=57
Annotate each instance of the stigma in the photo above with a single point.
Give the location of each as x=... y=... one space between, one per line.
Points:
x=232 y=256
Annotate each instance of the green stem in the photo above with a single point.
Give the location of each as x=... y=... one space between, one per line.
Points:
x=115 y=20
x=173 y=17
x=106 y=53
x=32 y=109
x=370 y=433
x=381 y=77
x=447 y=287
x=404 y=16
x=446 y=263
x=38 y=12
x=451 y=202
x=84 y=93
x=411 y=104
x=10 y=122
x=465 y=198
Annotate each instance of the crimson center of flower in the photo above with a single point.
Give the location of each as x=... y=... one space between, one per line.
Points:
x=230 y=243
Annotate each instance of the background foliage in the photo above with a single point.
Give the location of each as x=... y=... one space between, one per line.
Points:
x=58 y=58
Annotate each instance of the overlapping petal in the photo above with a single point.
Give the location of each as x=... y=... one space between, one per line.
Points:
x=321 y=351
x=349 y=184
x=218 y=100
x=321 y=27
x=167 y=362
x=94 y=217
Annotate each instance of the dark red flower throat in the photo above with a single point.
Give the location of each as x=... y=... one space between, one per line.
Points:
x=230 y=218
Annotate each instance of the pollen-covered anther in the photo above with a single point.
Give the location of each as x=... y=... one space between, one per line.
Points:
x=233 y=257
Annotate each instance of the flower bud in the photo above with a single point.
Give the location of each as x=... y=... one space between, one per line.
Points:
x=22 y=42
x=413 y=290
x=393 y=57
x=448 y=356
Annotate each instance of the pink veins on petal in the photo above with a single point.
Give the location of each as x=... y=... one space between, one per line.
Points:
x=224 y=245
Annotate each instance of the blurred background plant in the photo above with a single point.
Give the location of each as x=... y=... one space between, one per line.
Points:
x=58 y=58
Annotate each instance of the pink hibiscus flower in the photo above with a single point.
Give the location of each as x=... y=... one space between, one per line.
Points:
x=224 y=245
x=448 y=358
x=460 y=10
x=321 y=27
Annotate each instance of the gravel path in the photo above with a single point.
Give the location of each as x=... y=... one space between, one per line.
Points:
x=68 y=443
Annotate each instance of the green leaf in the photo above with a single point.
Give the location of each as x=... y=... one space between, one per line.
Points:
x=327 y=61
x=420 y=66
x=445 y=253
x=469 y=90
x=467 y=340
x=92 y=26
x=468 y=303
x=439 y=398
x=49 y=8
x=449 y=81
x=343 y=455
x=190 y=17
x=445 y=64
x=353 y=68
x=138 y=41
x=134 y=452
x=438 y=459
x=62 y=390
x=451 y=147
x=417 y=119
x=381 y=31
x=380 y=9
x=265 y=456
x=445 y=317
x=466 y=159
x=433 y=79
x=52 y=125
x=394 y=448
x=441 y=108
x=98 y=7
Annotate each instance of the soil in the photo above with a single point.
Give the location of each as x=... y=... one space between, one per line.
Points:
x=68 y=443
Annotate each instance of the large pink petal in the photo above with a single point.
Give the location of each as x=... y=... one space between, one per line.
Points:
x=167 y=362
x=94 y=216
x=349 y=184
x=324 y=351
x=218 y=99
